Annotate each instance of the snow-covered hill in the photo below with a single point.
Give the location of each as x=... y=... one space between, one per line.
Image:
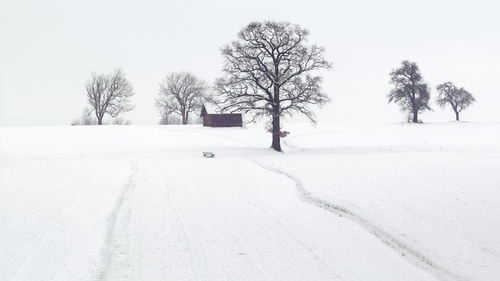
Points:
x=344 y=202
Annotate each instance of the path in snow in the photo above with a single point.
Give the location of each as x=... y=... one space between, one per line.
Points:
x=114 y=251
x=406 y=250
x=53 y=216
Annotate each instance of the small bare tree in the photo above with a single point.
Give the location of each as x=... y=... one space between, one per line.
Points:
x=166 y=106
x=458 y=98
x=267 y=74
x=121 y=121
x=85 y=119
x=409 y=92
x=181 y=93
x=109 y=94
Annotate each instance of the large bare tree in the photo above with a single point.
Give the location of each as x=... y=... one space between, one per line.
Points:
x=267 y=73
x=458 y=98
x=109 y=94
x=410 y=92
x=182 y=93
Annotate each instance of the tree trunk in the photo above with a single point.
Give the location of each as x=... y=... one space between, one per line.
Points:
x=276 y=144
x=415 y=116
x=184 y=121
x=414 y=107
x=457 y=117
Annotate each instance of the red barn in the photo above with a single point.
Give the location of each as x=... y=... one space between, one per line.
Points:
x=212 y=119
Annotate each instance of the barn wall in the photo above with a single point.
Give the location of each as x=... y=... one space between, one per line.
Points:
x=223 y=120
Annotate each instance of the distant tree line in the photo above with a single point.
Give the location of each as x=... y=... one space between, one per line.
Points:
x=412 y=94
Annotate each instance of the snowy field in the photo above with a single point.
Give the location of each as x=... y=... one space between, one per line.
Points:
x=344 y=202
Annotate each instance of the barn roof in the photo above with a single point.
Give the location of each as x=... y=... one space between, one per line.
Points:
x=208 y=108
x=211 y=108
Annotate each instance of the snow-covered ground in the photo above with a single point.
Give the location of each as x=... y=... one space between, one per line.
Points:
x=344 y=202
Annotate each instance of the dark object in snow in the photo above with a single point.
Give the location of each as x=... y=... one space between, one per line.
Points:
x=212 y=119
x=208 y=154
x=283 y=134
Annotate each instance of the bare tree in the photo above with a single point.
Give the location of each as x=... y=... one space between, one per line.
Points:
x=267 y=74
x=181 y=93
x=121 y=121
x=166 y=105
x=409 y=92
x=109 y=94
x=458 y=98
x=85 y=119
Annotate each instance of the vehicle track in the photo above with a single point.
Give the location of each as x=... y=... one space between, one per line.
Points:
x=408 y=253
x=109 y=254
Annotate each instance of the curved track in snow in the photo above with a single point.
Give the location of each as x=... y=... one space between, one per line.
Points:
x=407 y=252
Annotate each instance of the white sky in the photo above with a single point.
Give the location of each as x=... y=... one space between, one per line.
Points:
x=49 y=48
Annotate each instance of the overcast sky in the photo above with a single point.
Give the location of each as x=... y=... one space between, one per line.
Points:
x=49 y=48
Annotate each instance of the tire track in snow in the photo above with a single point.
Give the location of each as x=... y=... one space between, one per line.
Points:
x=108 y=250
x=185 y=233
x=43 y=239
x=410 y=254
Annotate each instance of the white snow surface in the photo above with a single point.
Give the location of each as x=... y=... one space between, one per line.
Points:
x=343 y=202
